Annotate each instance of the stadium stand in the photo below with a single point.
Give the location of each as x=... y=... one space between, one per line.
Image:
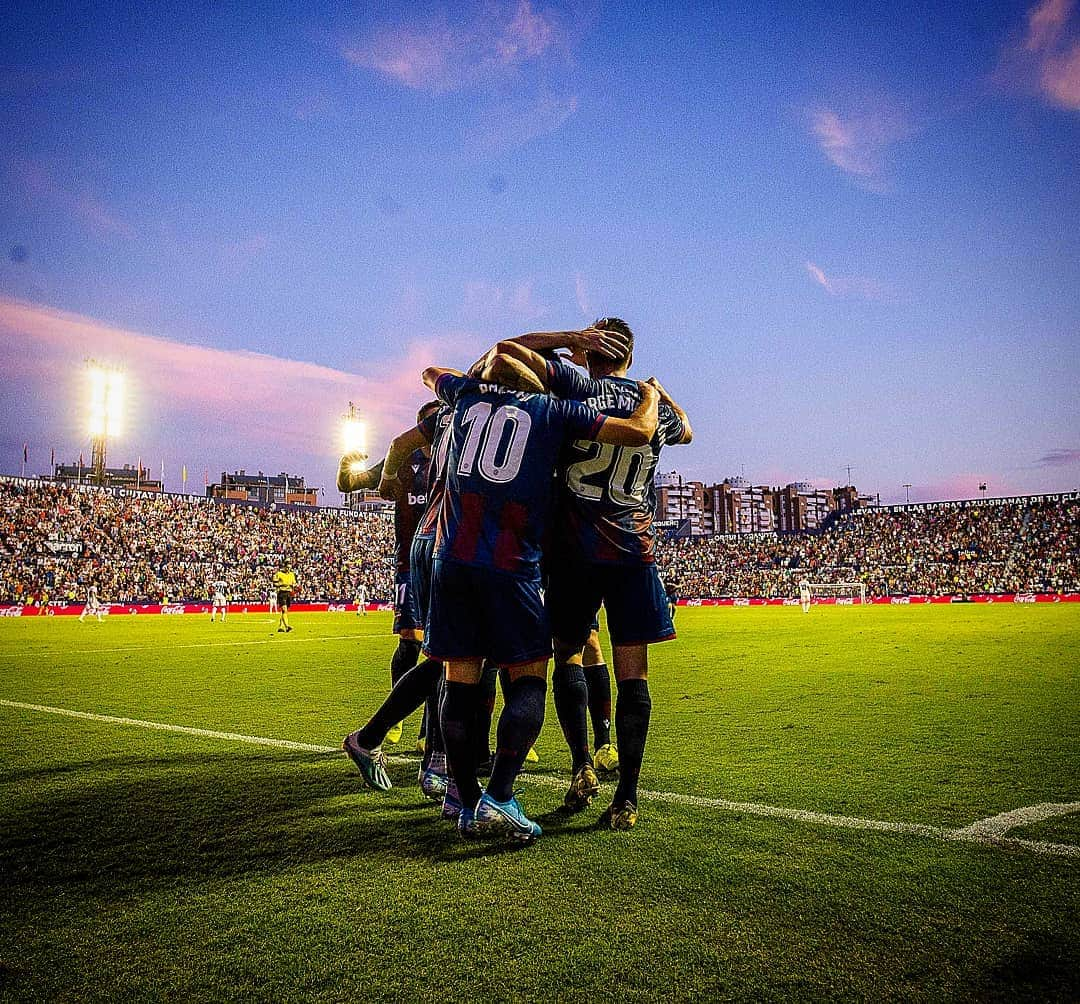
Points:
x=145 y=548
x=984 y=546
x=140 y=547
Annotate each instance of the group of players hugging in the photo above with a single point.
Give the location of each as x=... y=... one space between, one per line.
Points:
x=523 y=502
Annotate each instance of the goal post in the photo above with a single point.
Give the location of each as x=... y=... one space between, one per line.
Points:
x=839 y=590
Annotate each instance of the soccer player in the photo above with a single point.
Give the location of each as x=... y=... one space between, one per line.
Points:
x=272 y=600
x=285 y=586
x=219 y=600
x=604 y=554
x=361 y=600
x=92 y=604
x=804 y=595
x=406 y=486
x=418 y=685
x=486 y=600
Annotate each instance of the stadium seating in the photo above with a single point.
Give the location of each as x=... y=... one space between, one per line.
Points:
x=154 y=548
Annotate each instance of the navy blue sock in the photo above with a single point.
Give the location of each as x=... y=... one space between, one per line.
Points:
x=485 y=709
x=598 y=684
x=632 y=710
x=409 y=693
x=458 y=717
x=572 y=708
x=519 y=725
x=406 y=655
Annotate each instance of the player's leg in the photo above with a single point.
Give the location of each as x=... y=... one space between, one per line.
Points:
x=637 y=617
x=411 y=691
x=598 y=686
x=457 y=719
x=485 y=708
x=572 y=602
x=519 y=636
x=409 y=629
x=504 y=683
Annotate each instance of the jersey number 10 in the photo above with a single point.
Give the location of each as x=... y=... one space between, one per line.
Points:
x=491 y=429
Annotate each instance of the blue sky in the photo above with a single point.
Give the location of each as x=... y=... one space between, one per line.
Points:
x=840 y=238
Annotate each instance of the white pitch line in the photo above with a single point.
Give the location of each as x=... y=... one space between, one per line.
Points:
x=210 y=644
x=987 y=832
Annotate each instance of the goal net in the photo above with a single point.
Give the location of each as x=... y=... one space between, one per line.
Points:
x=840 y=590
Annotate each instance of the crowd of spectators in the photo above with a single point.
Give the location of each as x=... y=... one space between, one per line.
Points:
x=148 y=548
x=56 y=540
x=1026 y=546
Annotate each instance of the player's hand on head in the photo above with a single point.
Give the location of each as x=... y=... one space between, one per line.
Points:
x=612 y=344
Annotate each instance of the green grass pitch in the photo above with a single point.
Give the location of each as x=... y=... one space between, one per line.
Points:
x=155 y=865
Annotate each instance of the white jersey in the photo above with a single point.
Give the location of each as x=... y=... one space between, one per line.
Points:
x=91 y=597
x=219 y=591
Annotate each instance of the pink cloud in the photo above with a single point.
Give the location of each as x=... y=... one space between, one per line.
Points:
x=436 y=56
x=850 y=285
x=1045 y=57
x=858 y=143
x=960 y=486
x=206 y=404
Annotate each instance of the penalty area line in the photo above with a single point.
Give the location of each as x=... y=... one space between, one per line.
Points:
x=990 y=832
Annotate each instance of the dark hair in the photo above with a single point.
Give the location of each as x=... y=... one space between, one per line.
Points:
x=619 y=325
x=425 y=410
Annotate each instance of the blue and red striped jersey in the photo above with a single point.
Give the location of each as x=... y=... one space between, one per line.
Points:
x=433 y=428
x=606 y=494
x=410 y=489
x=502 y=448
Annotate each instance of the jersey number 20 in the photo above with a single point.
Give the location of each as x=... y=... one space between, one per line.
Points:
x=623 y=470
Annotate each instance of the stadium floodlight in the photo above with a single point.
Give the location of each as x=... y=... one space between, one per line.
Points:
x=353 y=436
x=106 y=413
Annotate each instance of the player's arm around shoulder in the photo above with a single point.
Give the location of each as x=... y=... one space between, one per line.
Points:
x=639 y=428
x=683 y=419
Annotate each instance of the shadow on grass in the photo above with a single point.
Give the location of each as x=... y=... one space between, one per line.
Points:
x=132 y=820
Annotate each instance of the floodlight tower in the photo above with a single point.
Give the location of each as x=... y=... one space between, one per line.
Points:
x=353 y=440
x=353 y=433
x=106 y=413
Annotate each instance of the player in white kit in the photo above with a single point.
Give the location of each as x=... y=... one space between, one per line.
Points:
x=273 y=601
x=804 y=595
x=92 y=605
x=361 y=601
x=219 y=601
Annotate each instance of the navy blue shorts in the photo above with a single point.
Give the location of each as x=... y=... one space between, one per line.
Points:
x=421 y=556
x=633 y=595
x=406 y=617
x=478 y=613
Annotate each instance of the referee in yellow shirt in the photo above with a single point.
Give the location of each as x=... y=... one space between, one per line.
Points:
x=284 y=584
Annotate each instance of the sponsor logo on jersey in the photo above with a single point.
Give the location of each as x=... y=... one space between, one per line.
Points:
x=417 y=499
